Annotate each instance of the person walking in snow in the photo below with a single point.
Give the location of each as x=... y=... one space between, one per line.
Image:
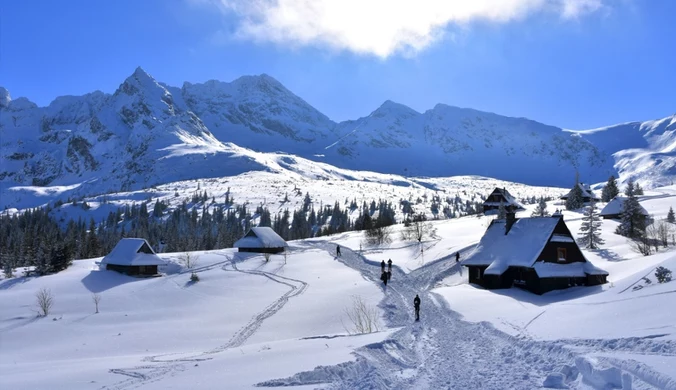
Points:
x=457 y=257
x=382 y=266
x=416 y=305
x=389 y=275
x=338 y=251
x=389 y=265
x=383 y=277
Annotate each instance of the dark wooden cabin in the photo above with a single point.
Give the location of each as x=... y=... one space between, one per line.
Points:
x=537 y=254
x=501 y=196
x=614 y=208
x=134 y=257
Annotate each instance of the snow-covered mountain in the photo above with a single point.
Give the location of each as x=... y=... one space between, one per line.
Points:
x=139 y=136
x=643 y=151
x=149 y=133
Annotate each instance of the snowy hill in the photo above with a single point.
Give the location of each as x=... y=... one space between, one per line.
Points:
x=148 y=133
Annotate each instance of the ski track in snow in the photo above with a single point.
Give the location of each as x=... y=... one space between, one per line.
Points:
x=161 y=366
x=441 y=351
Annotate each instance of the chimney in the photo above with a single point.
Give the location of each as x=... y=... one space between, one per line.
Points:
x=511 y=218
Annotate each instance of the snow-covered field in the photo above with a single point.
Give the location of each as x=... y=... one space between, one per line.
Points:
x=248 y=322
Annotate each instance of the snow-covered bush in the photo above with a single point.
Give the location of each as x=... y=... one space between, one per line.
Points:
x=194 y=278
x=663 y=275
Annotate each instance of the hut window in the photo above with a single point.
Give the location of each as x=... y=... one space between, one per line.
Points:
x=561 y=254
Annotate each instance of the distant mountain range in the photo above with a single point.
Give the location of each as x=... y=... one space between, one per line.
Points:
x=149 y=133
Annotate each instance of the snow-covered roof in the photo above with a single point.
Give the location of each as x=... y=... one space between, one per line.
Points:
x=615 y=207
x=131 y=251
x=519 y=248
x=586 y=192
x=261 y=237
x=576 y=269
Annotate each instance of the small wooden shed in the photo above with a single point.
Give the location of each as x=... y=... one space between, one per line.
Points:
x=261 y=240
x=500 y=196
x=133 y=256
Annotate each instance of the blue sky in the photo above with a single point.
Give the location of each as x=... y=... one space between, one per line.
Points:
x=572 y=63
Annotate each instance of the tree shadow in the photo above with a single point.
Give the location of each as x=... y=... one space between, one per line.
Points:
x=102 y=280
x=608 y=255
x=9 y=283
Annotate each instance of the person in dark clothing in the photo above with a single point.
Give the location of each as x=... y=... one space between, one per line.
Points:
x=337 y=250
x=382 y=266
x=416 y=305
x=389 y=275
x=389 y=265
x=383 y=277
x=457 y=257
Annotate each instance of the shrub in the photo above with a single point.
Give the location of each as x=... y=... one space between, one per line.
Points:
x=663 y=275
x=45 y=301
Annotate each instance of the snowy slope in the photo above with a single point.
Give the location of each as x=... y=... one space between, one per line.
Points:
x=249 y=323
x=643 y=151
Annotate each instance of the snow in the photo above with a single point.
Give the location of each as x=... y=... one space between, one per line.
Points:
x=126 y=252
x=239 y=323
x=282 y=323
x=561 y=238
x=261 y=237
x=575 y=269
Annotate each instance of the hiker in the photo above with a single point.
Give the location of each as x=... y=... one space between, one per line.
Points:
x=383 y=277
x=416 y=305
x=337 y=250
x=382 y=266
x=389 y=275
x=389 y=265
x=457 y=257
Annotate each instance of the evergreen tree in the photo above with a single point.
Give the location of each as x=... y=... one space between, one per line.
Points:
x=590 y=231
x=610 y=190
x=638 y=190
x=633 y=223
x=671 y=218
x=575 y=197
x=541 y=209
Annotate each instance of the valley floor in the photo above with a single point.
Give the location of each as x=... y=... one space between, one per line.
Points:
x=248 y=322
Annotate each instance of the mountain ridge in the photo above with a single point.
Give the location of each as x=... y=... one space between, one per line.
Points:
x=148 y=133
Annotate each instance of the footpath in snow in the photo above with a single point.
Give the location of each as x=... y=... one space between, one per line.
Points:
x=442 y=351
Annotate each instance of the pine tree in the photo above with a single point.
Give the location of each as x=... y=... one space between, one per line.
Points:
x=633 y=223
x=610 y=190
x=638 y=190
x=590 y=231
x=575 y=198
x=541 y=209
x=671 y=218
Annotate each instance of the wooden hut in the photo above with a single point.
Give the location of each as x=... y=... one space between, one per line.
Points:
x=538 y=254
x=613 y=209
x=501 y=196
x=133 y=256
x=261 y=240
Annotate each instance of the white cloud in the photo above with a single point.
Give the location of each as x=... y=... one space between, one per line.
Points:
x=379 y=27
